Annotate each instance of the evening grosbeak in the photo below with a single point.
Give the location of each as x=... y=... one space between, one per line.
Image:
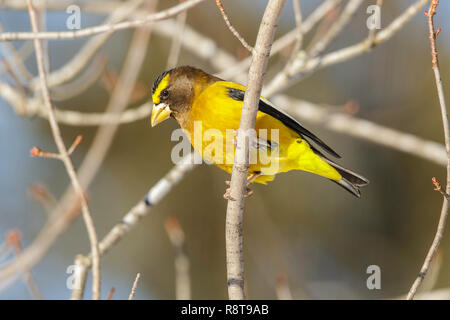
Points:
x=200 y=101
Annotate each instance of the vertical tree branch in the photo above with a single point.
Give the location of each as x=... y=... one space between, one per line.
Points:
x=118 y=101
x=182 y=278
x=235 y=208
x=66 y=158
x=133 y=289
x=175 y=47
x=445 y=205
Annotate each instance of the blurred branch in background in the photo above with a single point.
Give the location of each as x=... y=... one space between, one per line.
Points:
x=79 y=61
x=111 y=293
x=363 y=129
x=131 y=218
x=373 y=30
x=42 y=196
x=175 y=47
x=182 y=277
x=233 y=29
x=133 y=289
x=282 y=287
x=429 y=283
x=237 y=70
x=12 y=36
x=445 y=205
x=13 y=241
x=16 y=59
x=302 y=68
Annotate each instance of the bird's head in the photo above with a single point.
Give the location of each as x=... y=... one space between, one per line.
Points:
x=174 y=90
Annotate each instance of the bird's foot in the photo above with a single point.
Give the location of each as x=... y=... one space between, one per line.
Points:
x=227 y=195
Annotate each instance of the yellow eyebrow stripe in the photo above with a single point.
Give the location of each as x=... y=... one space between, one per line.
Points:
x=161 y=86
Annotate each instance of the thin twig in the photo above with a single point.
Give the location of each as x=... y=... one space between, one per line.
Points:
x=299 y=41
x=36 y=152
x=42 y=196
x=13 y=240
x=11 y=36
x=237 y=71
x=182 y=278
x=445 y=205
x=282 y=287
x=300 y=71
x=80 y=60
x=430 y=281
x=17 y=59
x=13 y=75
x=235 y=208
x=66 y=158
x=111 y=293
x=298 y=23
x=232 y=29
x=346 y=16
x=75 y=144
x=133 y=290
x=317 y=48
x=437 y=187
x=175 y=47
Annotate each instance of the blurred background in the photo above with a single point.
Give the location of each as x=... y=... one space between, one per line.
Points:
x=300 y=226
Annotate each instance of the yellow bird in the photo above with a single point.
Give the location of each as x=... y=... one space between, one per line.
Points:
x=208 y=107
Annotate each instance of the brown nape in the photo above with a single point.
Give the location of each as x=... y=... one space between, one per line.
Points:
x=184 y=83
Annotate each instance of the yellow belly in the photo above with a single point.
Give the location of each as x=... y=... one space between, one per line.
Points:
x=211 y=128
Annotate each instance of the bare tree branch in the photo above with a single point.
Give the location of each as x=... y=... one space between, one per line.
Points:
x=237 y=69
x=182 y=278
x=301 y=70
x=373 y=31
x=11 y=36
x=232 y=29
x=65 y=157
x=140 y=210
x=282 y=287
x=175 y=47
x=235 y=208
x=73 y=67
x=133 y=289
x=363 y=129
x=445 y=205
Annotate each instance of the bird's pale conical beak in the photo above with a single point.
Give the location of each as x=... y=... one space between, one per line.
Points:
x=160 y=113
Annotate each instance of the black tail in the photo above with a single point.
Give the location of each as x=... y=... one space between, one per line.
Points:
x=350 y=181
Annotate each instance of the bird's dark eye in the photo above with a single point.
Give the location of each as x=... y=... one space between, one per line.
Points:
x=164 y=94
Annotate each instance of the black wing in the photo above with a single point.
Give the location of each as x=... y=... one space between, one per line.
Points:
x=287 y=120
